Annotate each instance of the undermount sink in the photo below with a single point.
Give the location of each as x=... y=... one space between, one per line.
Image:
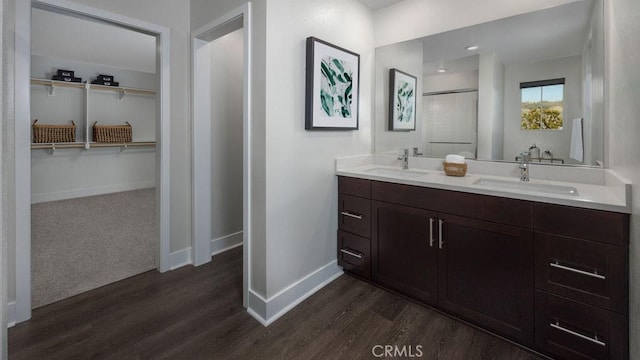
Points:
x=528 y=186
x=396 y=172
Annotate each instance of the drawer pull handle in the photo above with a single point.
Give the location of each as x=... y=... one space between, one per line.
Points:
x=595 y=340
x=355 y=216
x=431 y=239
x=348 y=252
x=440 y=239
x=578 y=271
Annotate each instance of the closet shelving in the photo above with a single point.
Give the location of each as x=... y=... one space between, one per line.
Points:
x=121 y=91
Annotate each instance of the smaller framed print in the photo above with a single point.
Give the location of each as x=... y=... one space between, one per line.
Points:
x=332 y=87
x=402 y=101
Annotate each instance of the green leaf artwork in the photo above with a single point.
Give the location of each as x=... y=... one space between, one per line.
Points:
x=405 y=100
x=336 y=86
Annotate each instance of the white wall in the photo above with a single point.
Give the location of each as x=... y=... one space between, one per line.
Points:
x=556 y=141
x=5 y=105
x=406 y=57
x=491 y=118
x=301 y=182
x=412 y=19
x=623 y=109
x=463 y=80
x=226 y=143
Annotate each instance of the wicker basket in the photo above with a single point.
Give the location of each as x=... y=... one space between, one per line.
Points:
x=53 y=133
x=111 y=133
x=452 y=169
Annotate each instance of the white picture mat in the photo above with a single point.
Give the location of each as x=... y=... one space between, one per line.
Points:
x=411 y=125
x=320 y=119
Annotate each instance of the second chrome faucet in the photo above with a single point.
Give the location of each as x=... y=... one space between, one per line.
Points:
x=524 y=166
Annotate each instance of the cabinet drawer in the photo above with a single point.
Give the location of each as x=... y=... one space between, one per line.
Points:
x=491 y=208
x=601 y=226
x=354 y=215
x=570 y=330
x=582 y=270
x=354 y=186
x=354 y=254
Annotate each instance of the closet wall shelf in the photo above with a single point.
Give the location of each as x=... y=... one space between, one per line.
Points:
x=82 y=145
x=122 y=90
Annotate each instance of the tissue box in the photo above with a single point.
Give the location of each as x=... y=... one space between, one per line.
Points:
x=452 y=169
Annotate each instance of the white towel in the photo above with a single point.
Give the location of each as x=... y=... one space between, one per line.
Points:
x=454 y=159
x=577 y=143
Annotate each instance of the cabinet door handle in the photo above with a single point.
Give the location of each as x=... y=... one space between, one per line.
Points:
x=431 y=232
x=351 y=253
x=556 y=265
x=594 y=340
x=440 y=239
x=351 y=215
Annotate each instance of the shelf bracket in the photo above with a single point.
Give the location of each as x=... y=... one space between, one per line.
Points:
x=53 y=148
x=51 y=89
x=121 y=95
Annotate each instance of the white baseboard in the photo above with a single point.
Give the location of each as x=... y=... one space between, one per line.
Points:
x=266 y=311
x=180 y=258
x=11 y=314
x=225 y=243
x=100 y=190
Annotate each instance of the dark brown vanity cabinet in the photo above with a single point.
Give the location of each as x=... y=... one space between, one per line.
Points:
x=404 y=251
x=553 y=278
x=477 y=269
x=354 y=226
x=486 y=275
x=581 y=298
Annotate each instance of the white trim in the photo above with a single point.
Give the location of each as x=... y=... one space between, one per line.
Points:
x=226 y=243
x=93 y=191
x=11 y=314
x=180 y=258
x=201 y=176
x=23 y=136
x=266 y=311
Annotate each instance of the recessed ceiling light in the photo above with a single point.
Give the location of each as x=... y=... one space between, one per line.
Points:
x=472 y=47
x=442 y=70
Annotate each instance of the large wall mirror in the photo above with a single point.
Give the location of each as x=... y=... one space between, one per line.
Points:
x=531 y=82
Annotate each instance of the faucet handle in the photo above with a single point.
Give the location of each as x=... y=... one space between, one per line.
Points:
x=525 y=157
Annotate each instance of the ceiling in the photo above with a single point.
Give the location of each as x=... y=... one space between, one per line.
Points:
x=551 y=33
x=72 y=38
x=379 y=4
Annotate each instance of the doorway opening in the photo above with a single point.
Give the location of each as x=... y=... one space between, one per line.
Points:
x=40 y=174
x=222 y=139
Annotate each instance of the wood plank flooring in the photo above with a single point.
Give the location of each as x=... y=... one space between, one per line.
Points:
x=197 y=313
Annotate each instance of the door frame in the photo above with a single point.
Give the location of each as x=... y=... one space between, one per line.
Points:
x=22 y=175
x=201 y=138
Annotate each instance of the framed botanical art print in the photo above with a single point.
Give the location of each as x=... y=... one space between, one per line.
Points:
x=402 y=101
x=332 y=87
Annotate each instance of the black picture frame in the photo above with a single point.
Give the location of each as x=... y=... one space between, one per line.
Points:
x=403 y=88
x=332 y=91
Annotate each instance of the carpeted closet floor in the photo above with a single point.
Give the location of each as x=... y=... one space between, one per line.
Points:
x=81 y=244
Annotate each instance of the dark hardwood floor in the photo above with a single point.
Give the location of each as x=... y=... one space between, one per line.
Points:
x=196 y=313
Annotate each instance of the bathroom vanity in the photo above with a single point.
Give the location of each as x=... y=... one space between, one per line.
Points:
x=548 y=276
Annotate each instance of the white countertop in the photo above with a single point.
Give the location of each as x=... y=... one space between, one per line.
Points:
x=600 y=190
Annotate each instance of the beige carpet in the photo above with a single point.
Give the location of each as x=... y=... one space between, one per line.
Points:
x=82 y=244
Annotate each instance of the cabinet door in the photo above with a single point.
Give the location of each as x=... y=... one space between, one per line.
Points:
x=486 y=275
x=404 y=255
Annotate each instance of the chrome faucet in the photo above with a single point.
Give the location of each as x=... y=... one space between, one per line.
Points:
x=405 y=159
x=524 y=166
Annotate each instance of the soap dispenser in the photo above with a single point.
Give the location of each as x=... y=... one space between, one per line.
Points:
x=534 y=152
